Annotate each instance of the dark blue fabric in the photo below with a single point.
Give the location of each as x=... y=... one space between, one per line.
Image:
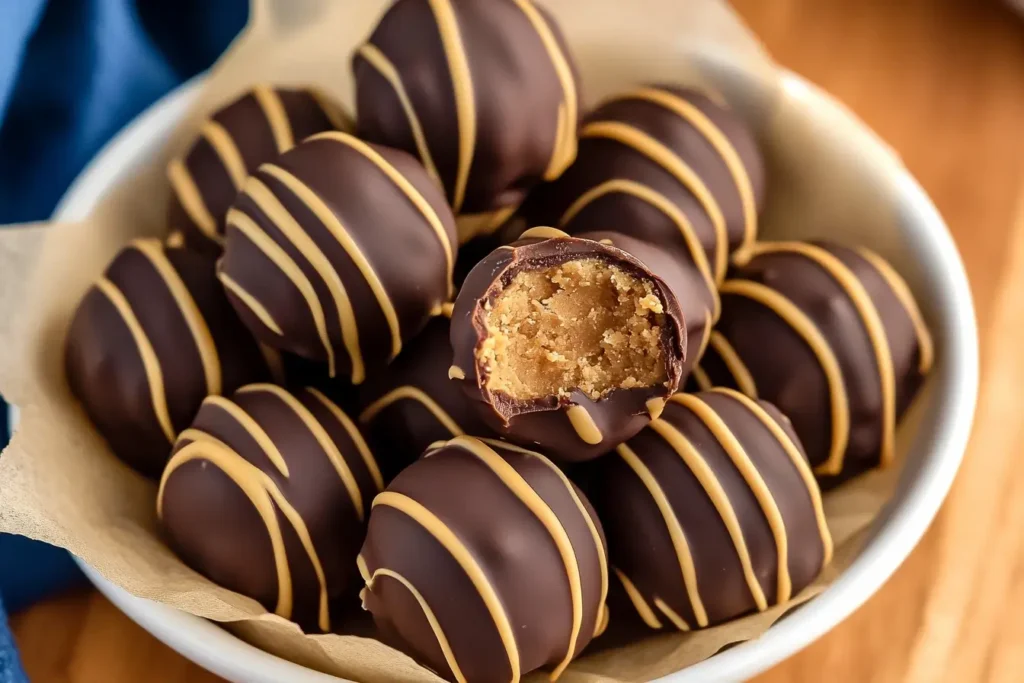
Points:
x=73 y=73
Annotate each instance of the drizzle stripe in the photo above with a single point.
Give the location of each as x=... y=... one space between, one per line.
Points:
x=584 y=424
x=244 y=476
x=353 y=433
x=798 y=459
x=737 y=368
x=742 y=461
x=714 y=135
x=192 y=200
x=675 y=530
x=802 y=325
x=564 y=151
x=248 y=227
x=251 y=302
x=322 y=437
x=224 y=145
x=334 y=226
x=601 y=550
x=436 y=528
x=641 y=606
x=546 y=516
x=252 y=427
x=672 y=615
x=379 y=61
x=718 y=497
x=679 y=169
x=338 y=117
x=407 y=188
x=544 y=233
x=662 y=203
x=276 y=115
x=201 y=337
x=926 y=347
x=705 y=334
x=150 y=361
x=462 y=84
x=435 y=625
x=869 y=317
x=275 y=364
x=703 y=381
x=415 y=394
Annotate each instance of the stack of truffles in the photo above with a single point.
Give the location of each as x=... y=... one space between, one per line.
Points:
x=486 y=362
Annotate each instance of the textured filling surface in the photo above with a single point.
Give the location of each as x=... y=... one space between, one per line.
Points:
x=585 y=325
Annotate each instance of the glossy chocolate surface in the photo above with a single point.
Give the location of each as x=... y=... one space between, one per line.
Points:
x=483 y=92
x=484 y=562
x=268 y=494
x=339 y=252
x=149 y=341
x=253 y=129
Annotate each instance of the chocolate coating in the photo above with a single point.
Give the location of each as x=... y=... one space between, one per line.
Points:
x=664 y=164
x=485 y=562
x=832 y=336
x=622 y=412
x=711 y=512
x=253 y=129
x=268 y=494
x=483 y=92
x=150 y=340
x=413 y=403
x=339 y=251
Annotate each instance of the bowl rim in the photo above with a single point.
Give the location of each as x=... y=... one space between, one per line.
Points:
x=907 y=518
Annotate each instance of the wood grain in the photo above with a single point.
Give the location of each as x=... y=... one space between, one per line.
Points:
x=943 y=82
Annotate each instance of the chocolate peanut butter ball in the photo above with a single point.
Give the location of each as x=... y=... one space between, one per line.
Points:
x=711 y=512
x=340 y=251
x=833 y=337
x=253 y=129
x=482 y=92
x=665 y=164
x=268 y=494
x=574 y=343
x=484 y=562
x=150 y=340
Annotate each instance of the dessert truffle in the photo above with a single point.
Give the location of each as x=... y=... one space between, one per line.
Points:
x=150 y=340
x=833 y=337
x=711 y=512
x=413 y=403
x=574 y=343
x=268 y=494
x=668 y=165
x=255 y=128
x=483 y=561
x=483 y=92
x=339 y=251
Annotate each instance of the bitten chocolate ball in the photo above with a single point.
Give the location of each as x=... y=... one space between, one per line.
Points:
x=664 y=164
x=413 y=403
x=253 y=129
x=832 y=336
x=268 y=494
x=150 y=340
x=574 y=343
x=483 y=92
x=711 y=512
x=485 y=562
x=339 y=251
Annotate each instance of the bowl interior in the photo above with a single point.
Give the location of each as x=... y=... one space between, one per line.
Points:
x=871 y=199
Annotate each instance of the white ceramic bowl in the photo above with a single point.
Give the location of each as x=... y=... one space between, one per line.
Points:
x=929 y=470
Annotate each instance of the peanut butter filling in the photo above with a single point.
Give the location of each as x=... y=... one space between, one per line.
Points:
x=586 y=325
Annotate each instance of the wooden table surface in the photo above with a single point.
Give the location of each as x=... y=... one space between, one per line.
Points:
x=943 y=82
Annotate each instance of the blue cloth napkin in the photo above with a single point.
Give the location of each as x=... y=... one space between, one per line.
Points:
x=73 y=73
